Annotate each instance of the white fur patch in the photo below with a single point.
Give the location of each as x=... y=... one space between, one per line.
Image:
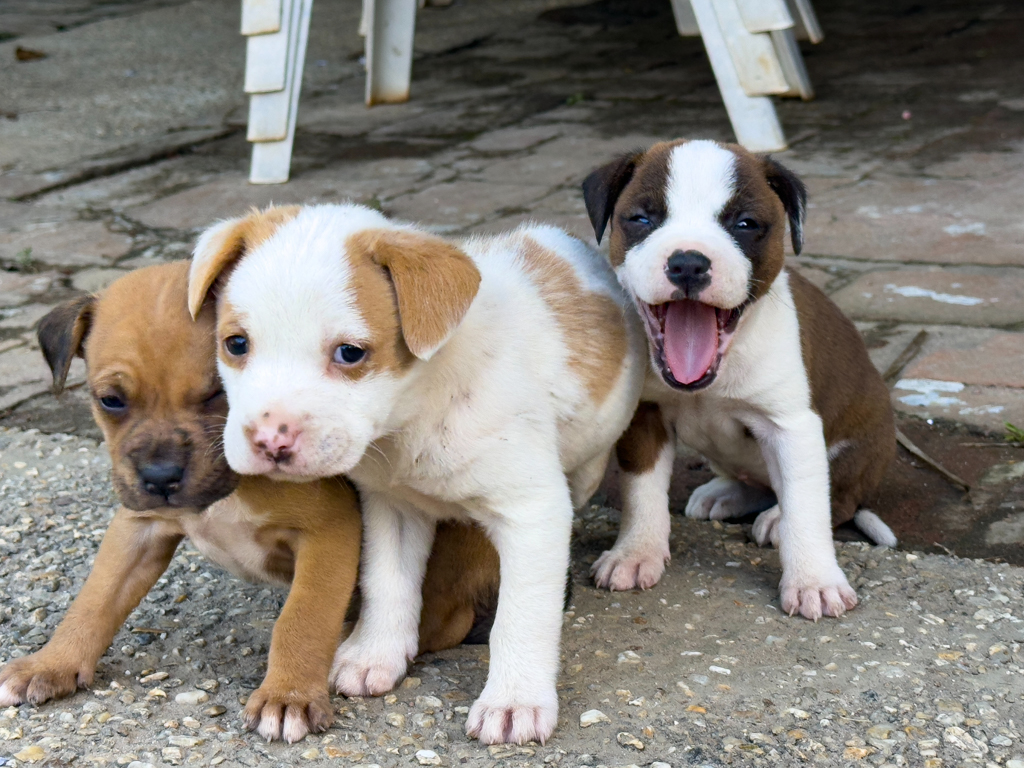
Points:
x=488 y=429
x=293 y=297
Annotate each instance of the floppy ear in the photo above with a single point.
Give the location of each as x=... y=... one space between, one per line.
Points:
x=61 y=333
x=220 y=246
x=793 y=194
x=601 y=189
x=434 y=283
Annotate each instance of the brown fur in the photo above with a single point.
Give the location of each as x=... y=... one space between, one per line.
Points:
x=434 y=282
x=244 y=235
x=848 y=394
x=641 y=444
x=375 y=299
x=579 y=315
x=461 y=581
x=141 y=340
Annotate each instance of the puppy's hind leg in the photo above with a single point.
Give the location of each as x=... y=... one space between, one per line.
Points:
x=646 y=454
x=385 y=639
x=724 y=498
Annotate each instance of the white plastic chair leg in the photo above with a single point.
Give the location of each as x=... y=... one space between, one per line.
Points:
x=792 y=61
x=753 y=118
x=274 y=64
x=390 y=25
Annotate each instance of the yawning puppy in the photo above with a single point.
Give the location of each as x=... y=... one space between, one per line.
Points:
x=753 y=366
x=157 y=397
x=486 y=382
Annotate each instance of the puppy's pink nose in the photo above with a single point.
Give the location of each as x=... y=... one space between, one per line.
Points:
x=274 y=436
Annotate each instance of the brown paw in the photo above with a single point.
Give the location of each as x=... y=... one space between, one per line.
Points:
x=282 y=712
x=38 y=678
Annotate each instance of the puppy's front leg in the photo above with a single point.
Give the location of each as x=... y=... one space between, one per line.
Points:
x=646 y=454
x=293 y=699
x=134 y=553
x=396 y=545
x=531 y=533
x=812 y=582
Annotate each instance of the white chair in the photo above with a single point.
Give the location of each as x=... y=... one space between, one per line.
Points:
x=751 y=45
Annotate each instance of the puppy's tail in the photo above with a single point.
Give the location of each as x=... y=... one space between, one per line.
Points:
x=871 y=525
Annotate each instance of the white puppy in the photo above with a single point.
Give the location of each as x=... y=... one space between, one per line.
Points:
x=486 y=382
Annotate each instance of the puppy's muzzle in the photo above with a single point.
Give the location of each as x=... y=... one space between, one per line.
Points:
x=274 y=437
x=161 y=478
x=689 y=271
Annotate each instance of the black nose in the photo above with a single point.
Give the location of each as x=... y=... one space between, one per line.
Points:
x=689 y=270
x=161 y=478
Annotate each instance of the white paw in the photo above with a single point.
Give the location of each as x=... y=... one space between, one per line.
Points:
x=722 y=499
x=766 y=527
x=493 y=721
x=817 y=592
x=362 y=670
x=625 y=567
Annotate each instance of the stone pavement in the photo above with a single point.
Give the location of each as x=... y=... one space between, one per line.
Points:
x=128 y=138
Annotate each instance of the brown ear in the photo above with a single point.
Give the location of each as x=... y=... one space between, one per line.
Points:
x=434 y=282
x=223 y=244
x=61 y=333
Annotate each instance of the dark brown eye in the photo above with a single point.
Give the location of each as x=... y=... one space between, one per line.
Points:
x=236 y=346
x=348 y=354
x=747 y=224
x=113 y=404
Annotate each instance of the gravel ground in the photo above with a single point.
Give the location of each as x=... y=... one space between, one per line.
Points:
x=701 y=671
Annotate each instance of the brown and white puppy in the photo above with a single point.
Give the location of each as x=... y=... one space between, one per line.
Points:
x=157 y=397
x=485 y=380
x=752 y=365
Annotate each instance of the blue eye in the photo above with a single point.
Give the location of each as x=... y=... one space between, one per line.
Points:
x=348 y=354
x=113 y=403
x=640 y=219
x=236 y=346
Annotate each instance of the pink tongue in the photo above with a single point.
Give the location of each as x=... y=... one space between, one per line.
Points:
x=691 y=339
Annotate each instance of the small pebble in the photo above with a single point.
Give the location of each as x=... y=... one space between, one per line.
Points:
x=593 y=717
x=215 y=711
x=192 y=697
x=629 y=740
x=30 y=754
x=428 y=757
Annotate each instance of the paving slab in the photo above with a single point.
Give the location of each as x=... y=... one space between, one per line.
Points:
x=75 y=244
x=994 y=298
x=231 y=195
x=946 y=221
x=19 y=288
x=998 y=362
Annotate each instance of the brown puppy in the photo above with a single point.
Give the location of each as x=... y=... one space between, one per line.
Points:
x=751 y=365
x=157 y=398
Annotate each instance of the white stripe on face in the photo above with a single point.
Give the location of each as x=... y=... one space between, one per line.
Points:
x=701 y=182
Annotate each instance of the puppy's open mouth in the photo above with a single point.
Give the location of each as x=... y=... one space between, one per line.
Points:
x=689 y=339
